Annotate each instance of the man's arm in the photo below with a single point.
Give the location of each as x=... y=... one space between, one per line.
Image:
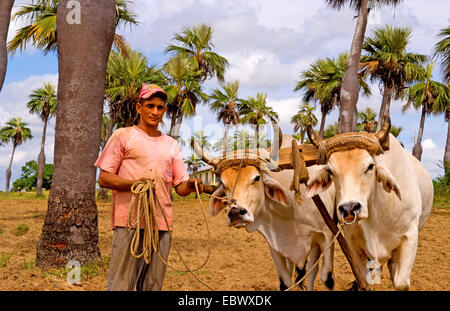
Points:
x=187 y=187
x=112 y=181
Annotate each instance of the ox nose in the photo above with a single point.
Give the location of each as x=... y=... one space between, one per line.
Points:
x=349 y=208
x=236 y=212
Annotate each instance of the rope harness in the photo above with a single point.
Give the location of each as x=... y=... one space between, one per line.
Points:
x=144 y=193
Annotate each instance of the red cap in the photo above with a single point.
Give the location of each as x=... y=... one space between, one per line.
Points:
x=149 y=90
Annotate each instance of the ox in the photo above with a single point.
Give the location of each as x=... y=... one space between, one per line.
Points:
x=263 y=202
x=382 y=190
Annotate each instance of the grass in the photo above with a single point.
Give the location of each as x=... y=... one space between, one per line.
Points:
x=4 y=259
x=21 y=229
x=23 y=196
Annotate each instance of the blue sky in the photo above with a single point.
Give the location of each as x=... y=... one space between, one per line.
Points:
x=268 y=44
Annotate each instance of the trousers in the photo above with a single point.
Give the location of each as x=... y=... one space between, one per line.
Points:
x=127 y=273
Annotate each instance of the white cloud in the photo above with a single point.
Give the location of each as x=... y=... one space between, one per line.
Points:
x=428 y=144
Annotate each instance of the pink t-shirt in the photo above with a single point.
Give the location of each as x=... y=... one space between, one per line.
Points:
x=133 y=154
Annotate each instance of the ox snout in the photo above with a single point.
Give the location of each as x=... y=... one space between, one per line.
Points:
x=349 y=211
x=238 y=217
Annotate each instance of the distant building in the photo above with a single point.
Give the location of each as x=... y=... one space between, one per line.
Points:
x=207 y=176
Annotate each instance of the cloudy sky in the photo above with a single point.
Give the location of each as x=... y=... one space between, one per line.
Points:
x=267 y=43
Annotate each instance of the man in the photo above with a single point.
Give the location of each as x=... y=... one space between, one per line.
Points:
x=140 y=153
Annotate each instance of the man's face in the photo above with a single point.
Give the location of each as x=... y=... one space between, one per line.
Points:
x=151 y=111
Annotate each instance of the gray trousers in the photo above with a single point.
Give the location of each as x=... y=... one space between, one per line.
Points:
x=127 y=273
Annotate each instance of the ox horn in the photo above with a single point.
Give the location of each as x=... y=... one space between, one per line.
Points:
x=203 y=155
x=276 y=142
x=383 y=134
x=315 y=140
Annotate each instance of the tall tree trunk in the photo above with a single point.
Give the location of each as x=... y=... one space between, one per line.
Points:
x=5 y=17
x=84 y=40
x=176 y=129
x=257 y=136
x=417 y=149
x=173 y=120
x=322 y=123
x=41 y=161
x=348 y=114
x=8 y=171
x=103 y=192
x=447 y=148
x=385 y=105
x=225 y=139
x=302 y=134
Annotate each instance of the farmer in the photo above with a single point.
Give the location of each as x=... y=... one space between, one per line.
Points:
x=140 y=153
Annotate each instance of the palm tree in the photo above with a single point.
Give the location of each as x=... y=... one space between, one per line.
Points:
x=396 y=130
x=225 y=104
x=17 y=132
x=185 y=88
x=194 y=163
x=41 y=30
x=5 y=13
x=70 y=230
x=195 y=43
x=331 y=130
x=255 y=111
x=350 y=88
x=432 y=97
x=442 y=51
x=203 y=140
x=302 y=118
x=43 y=103
x=322 y=82
x=126 y=71
x=386 y=60
x=367 y=120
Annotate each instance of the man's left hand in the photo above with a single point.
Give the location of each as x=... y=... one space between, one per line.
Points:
x=191 y=184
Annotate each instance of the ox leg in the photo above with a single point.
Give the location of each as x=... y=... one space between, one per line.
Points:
x=401 y=265
x=326 y=273
x=313 y=257
x=284 y=272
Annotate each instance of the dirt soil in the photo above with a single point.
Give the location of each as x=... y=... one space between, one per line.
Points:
x=239 y=260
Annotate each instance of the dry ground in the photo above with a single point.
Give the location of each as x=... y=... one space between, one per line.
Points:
x=239 y=260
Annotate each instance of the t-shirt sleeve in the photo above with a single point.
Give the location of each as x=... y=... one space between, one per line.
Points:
x=112 y=155
x=180 y=173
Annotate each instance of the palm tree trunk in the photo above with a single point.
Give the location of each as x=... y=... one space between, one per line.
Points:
x=302 y=134
x=385 y=105
x=41 y=161
x=447 y=149
x=8 y=171
x=348 y=114
x=177 y=126
x=172 y=124
x=257 y=136
x=322 y=123
x=417 y=149
x=5 y=17
x=225 y=139
x=70 y=230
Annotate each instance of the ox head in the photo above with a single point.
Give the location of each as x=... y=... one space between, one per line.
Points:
x=245 y=182
x=350 y=162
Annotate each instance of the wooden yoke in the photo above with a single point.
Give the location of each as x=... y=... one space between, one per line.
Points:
x=298 y=158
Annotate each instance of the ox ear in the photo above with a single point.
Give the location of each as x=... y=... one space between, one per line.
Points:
x=216 y=205
x=318 y=183
x=387 y=180
x=275 y=191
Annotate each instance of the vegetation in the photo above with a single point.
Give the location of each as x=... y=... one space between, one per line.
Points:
x=28 y=178
x=17 y=132
x=43 y=103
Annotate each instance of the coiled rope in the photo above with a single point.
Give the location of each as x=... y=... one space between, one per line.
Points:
x=143 y=192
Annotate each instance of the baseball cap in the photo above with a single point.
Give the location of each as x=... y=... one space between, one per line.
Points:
x=149 y=90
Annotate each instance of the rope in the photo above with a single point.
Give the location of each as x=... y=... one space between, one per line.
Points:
x=141 y=191
x=318 y=260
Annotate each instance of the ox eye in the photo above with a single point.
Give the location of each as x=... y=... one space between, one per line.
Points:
x=370 y=167
x=329 y=171
x=256 y=179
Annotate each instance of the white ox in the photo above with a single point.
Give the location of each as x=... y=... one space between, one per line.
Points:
x=387 y=197
x=264 y=203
